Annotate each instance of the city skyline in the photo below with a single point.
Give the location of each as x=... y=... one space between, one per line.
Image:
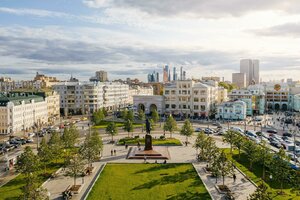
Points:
x=130 y=39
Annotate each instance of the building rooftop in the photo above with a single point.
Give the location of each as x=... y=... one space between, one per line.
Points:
x=17 y=97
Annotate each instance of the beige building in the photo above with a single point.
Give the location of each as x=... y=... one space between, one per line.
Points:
x=190 y=98
x=239 y=79
x=53 y=106
x=139 y=90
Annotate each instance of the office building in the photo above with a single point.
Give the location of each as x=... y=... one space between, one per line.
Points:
x=166 y=74
x=100 y=76
x=153 y=77
x=251 y=69
x=239 y=79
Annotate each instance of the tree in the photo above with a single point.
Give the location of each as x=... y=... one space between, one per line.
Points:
x=28 y=163
x=261 y=193
x=112 y=130
x=238 y=141
x=170 y=125
x=251 y=151
x=200 y=145
x=98 y=116
x=155 y=116
x=128 y=126
x=124 y=114
x=44 y=153
x=70 y=137
x=229 y=137
x=91 y=148
x=104 y=111
x=215 y=165
x=141 y=114
x=75 y=167
x=130 y=115
x=187 y=129
x=225 y=166
x=32 y=190
x=280 y=168
x=265 y=157
x=55 y=145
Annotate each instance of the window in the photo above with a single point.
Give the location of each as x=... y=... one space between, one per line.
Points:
x=196 y=99
x=196 y=107
x=173 y=106
x=202 y=108
x=167 y=92
x=202 y=99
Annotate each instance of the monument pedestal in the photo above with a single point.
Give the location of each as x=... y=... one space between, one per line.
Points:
x=157 y=153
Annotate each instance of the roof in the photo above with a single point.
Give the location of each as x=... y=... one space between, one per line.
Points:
x=17 y=97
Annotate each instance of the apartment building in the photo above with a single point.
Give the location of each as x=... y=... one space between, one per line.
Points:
x=21 y=111
x=233 y=110
x=139 y=90
x=190 y=98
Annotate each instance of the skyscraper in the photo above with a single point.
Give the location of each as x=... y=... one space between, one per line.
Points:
x=153 y=77
x=251 y=69
x=239 y=79
x=174 y=74
x=166 y=73
x=181 y=73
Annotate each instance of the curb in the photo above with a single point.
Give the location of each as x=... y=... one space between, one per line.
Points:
x=50 y=177
x=90 y=187
x=245 y=175
x=203 y=182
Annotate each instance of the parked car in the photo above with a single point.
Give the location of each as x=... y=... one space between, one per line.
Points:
x=275 y=144
x=208 y=131
x=29 y=140
x=287 y=134
x=272 y=131
x=293 y=158
x=237 y=129
x=198 y=129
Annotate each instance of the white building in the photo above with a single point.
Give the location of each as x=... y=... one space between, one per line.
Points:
x=235 y=110
x=21 y=111
x=239 y=79
x=84 y=97
x=190 y=98
x=251 y=69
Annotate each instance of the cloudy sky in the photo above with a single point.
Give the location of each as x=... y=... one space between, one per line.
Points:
x=130 y=38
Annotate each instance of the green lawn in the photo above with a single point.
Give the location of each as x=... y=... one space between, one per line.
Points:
x=156 y=142
x=12 y=190
x=148 y=182
x=118 y=124
x=256 y=174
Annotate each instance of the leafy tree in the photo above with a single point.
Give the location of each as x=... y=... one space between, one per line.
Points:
x=112 y=130
x=265 y=157
x=238 y=142
x=215 y=165
x=44 y=153
x=280 y=168
x=155 y=116
x=261 y=193
x=170 y=125
x=141 y=114
x=211 y=151
x=251 y=151
x=187 y=129
x=124 y=114
x=104 y=111
x=229 y=137
x=75 y=167
x=55 y=145
x=28 y=163
x=225 y=166
x=200 y=145
x=130 y=115
x=98 y=116
x=32 y=190
x=227 y=86
x=91 y=148
x=70 y=137
x=128 y=126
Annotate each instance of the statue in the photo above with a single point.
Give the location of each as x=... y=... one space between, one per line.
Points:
x=148 y=126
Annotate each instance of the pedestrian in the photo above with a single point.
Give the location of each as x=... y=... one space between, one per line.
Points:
x=155 y=161
x=234 y=178
x=186 y=143
x=126 y=146
x=111 y=152
x=115 y=152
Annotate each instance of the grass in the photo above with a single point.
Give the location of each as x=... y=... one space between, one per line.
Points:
x=156 y=142
x=104 y=124
x=148 y=182
x=12 y=189
x=256 y=176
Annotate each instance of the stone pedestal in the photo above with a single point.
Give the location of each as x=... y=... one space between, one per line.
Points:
x=148 y=143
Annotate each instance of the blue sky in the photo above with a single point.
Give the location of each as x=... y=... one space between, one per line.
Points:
x=130 y=38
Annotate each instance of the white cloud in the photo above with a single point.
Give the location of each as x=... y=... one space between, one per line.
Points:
x=34 y=12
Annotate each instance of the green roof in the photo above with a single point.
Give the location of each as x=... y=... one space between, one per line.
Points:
x=17 y=97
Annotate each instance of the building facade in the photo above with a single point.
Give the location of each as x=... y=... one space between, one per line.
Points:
x=239 y=79
x=148 y=103
x=21 y=112
x=232 y=110
x=138 y=90
x=189 y=98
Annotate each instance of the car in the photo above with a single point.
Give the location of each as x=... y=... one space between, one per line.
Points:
x=275 y=144
x=31 y=134
x=208 y=131
x=277 y=138
x=272 y=131
x=287 y=134
x=217 y=124
x=288 y=121
x=270 y=112
x=293 y=157
x=198 y=129
x=250 y=134
x=258 y=119
x=29 y=140
x=285 y=138
x=84 y=118
x=237 y=129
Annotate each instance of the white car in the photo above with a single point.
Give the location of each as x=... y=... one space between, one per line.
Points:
x=237 y=129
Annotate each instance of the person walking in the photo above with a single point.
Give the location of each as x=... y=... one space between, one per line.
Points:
x=111 y=152
x=234 y=178
x=115 y=152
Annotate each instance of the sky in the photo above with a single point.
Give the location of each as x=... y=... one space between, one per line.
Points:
x=130 y=38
